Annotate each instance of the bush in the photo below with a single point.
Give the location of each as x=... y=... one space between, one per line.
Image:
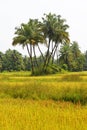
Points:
x=65 y=67
x=51 y=69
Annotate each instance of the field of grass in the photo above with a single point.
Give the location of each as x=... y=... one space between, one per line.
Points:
x=61 y=87
x=53 y=102
x=41 y=115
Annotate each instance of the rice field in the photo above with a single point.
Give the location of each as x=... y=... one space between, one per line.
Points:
x=53 y=102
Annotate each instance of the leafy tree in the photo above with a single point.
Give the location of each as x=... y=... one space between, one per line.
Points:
x=1 y=61
x=72 y=57
x=13 y=61
x=78 y=57
x=75 y=49
x=27 y=65
x=85 y=63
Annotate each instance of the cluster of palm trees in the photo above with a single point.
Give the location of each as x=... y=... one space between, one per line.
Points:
x=71 y=55
x=50 y=31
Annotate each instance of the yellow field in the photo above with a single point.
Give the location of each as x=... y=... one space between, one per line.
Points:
x=41 y=115
x=55 y=102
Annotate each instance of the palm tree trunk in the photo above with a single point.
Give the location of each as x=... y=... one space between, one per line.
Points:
x=55 y=48
x=28 y=50
x=40 y=52
x=32 y=67
x=45 y=67
x=35 y=55
x=56 y=51
x=30 y=55
x=52 y=55
x=47 y=55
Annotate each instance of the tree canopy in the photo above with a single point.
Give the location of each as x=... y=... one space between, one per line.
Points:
x=51 y=31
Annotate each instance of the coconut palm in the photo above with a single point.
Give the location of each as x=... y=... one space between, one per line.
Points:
x=75 y=49
x=29 y=35
x=49 y=25
x=52 y=29
x=65 y=53
x=55 y=31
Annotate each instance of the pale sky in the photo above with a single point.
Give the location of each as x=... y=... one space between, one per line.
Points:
x=15 y=12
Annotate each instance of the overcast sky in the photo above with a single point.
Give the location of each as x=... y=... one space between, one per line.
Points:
x=15 y=12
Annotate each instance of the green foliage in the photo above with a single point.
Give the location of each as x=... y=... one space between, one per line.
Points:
x=72 y=57
x=51 y=69
x=13 y=61
x=65 y=67
x=27 y=65
x=85 y=63
x=51 y=29
x=1 y=61
x=0 y=65
x=38 y=71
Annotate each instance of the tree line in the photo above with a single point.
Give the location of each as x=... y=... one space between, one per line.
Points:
x=52 y=33
x=12 y=60
x=69 y=57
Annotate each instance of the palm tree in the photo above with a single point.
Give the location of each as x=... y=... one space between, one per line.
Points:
x=52 y=31
x=65 y=53
x=55 y=31
x=75 y=49
x=49 y=32
x=29 y=35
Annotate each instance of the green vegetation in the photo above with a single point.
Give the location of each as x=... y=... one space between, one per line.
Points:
x=50 y=32
x=48 y=45
x=61 y=87
x=58 y=99
x=69 y=60
x=72 y=57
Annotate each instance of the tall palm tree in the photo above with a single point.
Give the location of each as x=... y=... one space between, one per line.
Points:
x=49 y=25
x=52 y=29
x=29 y=35
x=55 y=31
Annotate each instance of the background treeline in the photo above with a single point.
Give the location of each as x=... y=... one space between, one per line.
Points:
x=68 y=57
x=59 y=53
x=12 y=60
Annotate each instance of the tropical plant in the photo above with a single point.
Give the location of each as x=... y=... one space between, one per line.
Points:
x=72 y=57
x=13 y=61
x=54 y=29
x=51 y=31
x=29 y=35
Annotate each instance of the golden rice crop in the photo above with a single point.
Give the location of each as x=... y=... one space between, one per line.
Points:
x=39 y=103
x=16 y=114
